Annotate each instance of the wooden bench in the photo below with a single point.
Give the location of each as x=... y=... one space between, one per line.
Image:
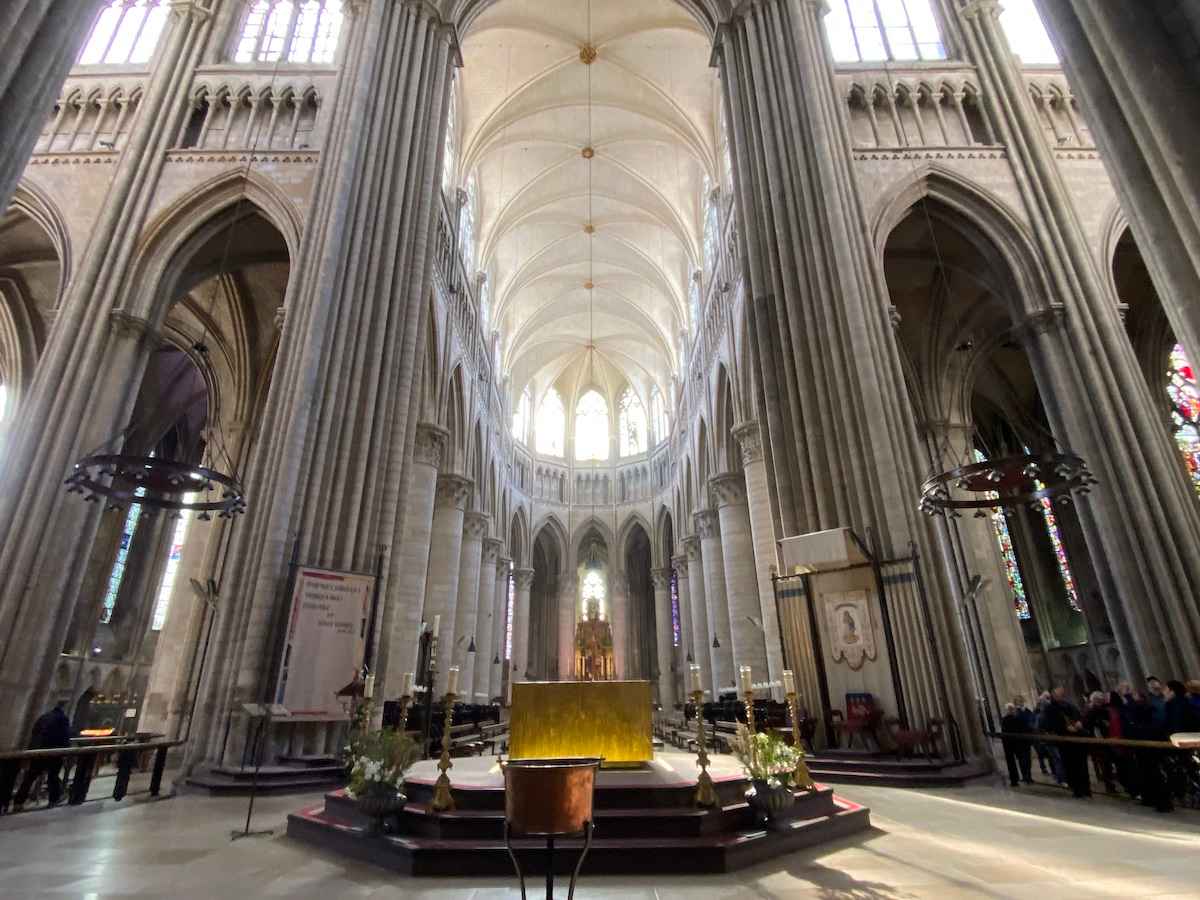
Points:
x=723 y=734
x=466 y=740
x=493 y=734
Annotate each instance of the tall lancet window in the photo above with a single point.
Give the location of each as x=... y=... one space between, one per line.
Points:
x=631 y=424
x=466 y=233
x=867 y=30
x=694 y=296
x=591 y=427
x=1185 y=410
x=658 y=415
x=520 y=426
x=1026 y=34
x=450 y=148
x=116 y=575
x=301 y=31
x=593 y=590
x=174 y=557
x=712 y=237
x=551 y=425
x=126 y=31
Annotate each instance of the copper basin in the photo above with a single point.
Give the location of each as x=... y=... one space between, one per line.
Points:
x=549 y=796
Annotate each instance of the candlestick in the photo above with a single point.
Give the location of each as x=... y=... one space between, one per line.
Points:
x=442 y=798
x=706 y=794
x=747 y=680
x=789 y=682
x=437 y=625
x=696 y=688
x=369 y=688
x=800 y=777
x=452 y=680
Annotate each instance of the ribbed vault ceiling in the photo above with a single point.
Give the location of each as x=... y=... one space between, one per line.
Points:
x=524 y=113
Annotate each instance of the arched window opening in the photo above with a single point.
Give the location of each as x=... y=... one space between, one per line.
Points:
x=163 y=601
x=551 y=425
x=1027 y=36
x=466 y=232
x=1060 y=552
x=869 y=30
x=658 y=415
x=591 y=427
x=694 y=296
x=302 y=31
x=712 y=238
x=520 y=425
x=450 y=150
x=593 y=591
x=631 y=424
x=485 y=304
x=125 y=32
x=117 y=574
x=1185 y=410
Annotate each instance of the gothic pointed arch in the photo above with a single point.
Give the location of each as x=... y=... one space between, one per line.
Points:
x=518 y=538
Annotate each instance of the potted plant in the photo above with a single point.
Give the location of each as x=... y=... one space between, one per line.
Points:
x=770 y=762
x=377 y=760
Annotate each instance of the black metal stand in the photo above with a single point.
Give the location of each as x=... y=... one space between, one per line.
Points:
x=550 y=838
x=246 y=832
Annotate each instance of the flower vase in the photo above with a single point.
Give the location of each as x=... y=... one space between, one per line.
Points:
x=378 y=803
x=770 y=802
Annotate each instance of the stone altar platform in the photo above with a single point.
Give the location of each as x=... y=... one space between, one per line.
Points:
x=645 y=823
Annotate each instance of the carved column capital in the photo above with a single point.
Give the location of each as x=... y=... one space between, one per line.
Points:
x=452 y=490
x=661 y=579
x=491 y=552
x=1038 y=323
x=749 y=438
x=475 y=525
x=130 y=325
x=189 y=9
x=729 y=488
x=691 y=547
x=523 y=578
x=980 y=9
x=707 y=523
x=430 y=444
x=680 y=563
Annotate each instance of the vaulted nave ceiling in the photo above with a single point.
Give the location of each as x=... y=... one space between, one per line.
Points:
x=525 y=121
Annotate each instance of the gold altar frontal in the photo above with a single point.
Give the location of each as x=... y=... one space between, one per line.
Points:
x=606 y=719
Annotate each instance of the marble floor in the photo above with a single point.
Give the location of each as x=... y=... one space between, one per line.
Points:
x=978 y=841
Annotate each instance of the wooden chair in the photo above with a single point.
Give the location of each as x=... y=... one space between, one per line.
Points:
x=863 y=720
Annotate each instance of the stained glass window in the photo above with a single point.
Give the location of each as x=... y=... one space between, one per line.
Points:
x=551 y=425
x=168 y=579
x=302 y=31
x=126 y=31
x=1060 y=553
x=1008 y=556
x=674 y=608
x=867 y=30
x=658 y=415
x=485 y=304
x=631 y=424
x=117 y=575
x=591 y=427
x=1027 y=36
x=520 y=426
x=593 y=589
x=1185 y=410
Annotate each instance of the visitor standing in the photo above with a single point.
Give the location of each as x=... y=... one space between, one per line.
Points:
x=1017 y=751
x=51 y=730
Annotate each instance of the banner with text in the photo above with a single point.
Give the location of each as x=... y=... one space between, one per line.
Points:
x=326 y=640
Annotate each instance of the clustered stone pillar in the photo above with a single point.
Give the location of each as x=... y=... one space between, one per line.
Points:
x=522 y=581
x=701 y=635
x=1142 y=522
x=484 y=620
x=475 y=526
x=568 y=615
x=708 y=527
x=663 y=637
x=685 y=654
x=445 y=570
x=618 y=619
x=766 y=558
x=39 y=42
x=86 y=382
x=400 y=632
x=499 y=628
x=741 y=582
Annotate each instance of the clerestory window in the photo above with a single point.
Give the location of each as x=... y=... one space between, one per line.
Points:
x=631 y=424
x=591 y=427
x=872 y=30
x=1026 y=34
x=125 y=32
x=550 y=427
x=301 y=31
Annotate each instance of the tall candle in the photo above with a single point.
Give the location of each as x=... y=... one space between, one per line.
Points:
x=408 y=685
x=789 y=682
x=746 y=680
x=437 y=625
x=452 y=680
x=696 y=679
x=369 y=687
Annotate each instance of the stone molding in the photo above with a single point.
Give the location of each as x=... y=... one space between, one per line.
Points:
x=190 y=9
x=198 y=155
x=729 y=488
x=502 y=563
x=453 y=490
x=976 y=8
x=491 y=551
x=430 y=444
x=708 y=525
x=130 y=325
x=1038 y=323
x=475 y=525
x=523 y=578
x=691 y=547
x=680 y=563
x=661 y=579
x=865 y=154
x=749 y=438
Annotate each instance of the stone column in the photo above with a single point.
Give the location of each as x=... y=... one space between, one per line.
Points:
x=499 y=628
x=766 y=556
x=1142 y=522
x=485 y=620
x=618 y=617
x=475 y=526
x=686 y=648
x=39 y=43
x=523 y=580
x=701 y=635
x=1135 y=74
x=741 y=583
x=568 y=615
x=401 y=631
x=86 y=382
x=708 y=527
x=663 y=643
x=445 y=569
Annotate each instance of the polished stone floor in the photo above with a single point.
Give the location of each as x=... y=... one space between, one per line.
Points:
x=978 y=841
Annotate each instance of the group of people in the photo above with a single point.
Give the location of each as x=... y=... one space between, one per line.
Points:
x=1154 y=714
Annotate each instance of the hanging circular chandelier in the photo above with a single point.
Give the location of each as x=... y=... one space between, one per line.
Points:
x=154 y=484
x=1027 y=478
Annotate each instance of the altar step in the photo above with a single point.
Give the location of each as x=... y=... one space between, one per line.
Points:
x=885 y=770
x=652 y=839
x=294 y=777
